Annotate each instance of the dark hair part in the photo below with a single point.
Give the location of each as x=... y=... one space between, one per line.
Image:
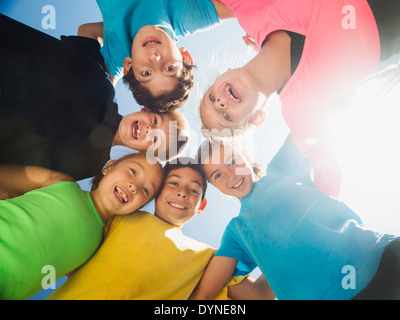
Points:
x=187 y=162
x=167 y=101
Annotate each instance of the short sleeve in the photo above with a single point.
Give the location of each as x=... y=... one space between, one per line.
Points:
x=193 y=15
x=230 y=247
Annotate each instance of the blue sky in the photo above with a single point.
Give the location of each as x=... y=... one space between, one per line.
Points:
x=370 y=176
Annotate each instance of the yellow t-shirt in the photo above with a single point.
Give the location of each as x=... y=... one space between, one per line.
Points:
x=141 y=258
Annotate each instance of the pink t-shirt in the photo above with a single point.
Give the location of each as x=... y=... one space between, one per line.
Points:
x=341 y=47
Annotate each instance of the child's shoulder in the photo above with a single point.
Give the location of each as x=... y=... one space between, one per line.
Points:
x=61 y=185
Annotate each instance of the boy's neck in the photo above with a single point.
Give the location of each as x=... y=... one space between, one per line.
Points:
x=178 y=227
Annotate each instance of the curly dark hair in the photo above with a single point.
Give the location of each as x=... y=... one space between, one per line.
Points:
x=164 y=102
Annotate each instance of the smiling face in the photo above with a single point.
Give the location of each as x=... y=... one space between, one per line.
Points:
x=127 y=186
x=230 y=173
x=142 y=130
x=156 y=60
x=181 y=197
x=231 y=101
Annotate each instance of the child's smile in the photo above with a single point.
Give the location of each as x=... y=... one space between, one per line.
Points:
x=177 y=205
x=136 y=130
x=239 y=184
x=231 y=173
x=180 y=197
x=151 y=42
x=143 y=129
x=121 y=194
x=126 y=186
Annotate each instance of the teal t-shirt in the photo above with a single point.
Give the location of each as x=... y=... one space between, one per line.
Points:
x=303 y=241
x=122 y=19
x=56 y=226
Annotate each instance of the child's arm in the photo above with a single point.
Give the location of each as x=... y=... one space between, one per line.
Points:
x=17 y=180
x=217 y=274
x=250 y=289
x=92 y=30
x=223 y=11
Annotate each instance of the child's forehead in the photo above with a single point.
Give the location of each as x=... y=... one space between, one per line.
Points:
x=186 y=173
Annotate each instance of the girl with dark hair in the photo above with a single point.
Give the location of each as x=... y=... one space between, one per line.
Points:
x=56 y=223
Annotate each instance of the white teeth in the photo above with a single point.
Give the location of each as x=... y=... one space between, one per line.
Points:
x=230 y=93
x=121 y=195
x=176 y=205
x=237 y=185
x=151 y=42
x=136 y=132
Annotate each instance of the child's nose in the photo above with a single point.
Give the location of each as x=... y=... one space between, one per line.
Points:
x=182 y=194
x=156 y=56
x=220 y=104
x=132 y=188
x=149 y=127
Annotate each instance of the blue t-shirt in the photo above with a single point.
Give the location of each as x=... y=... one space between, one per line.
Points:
x=304 y=242
x=122 y=19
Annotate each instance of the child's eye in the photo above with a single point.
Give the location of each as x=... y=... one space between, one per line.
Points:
x=134 y=172
x=146 y=192
x=217 y=176
x=211 y=97
x=227 y=117
x=145 y=73
x=155 y=120
x=195 y=192
x=170 y=68
x=173 y=183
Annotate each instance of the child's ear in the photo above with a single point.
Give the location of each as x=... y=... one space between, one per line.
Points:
x=187 y=58
x=127 y=65
x=202 y=206
x=145 y=109
x=258 y=117
x=108 y=167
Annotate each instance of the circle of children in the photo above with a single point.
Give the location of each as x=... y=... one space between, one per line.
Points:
x=56 y=130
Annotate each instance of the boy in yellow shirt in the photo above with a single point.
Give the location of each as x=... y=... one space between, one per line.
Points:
x=147 y=257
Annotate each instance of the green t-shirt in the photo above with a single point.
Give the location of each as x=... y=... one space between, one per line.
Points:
x=53 y=228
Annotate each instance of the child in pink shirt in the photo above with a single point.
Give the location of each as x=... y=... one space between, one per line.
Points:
x=311 y=52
